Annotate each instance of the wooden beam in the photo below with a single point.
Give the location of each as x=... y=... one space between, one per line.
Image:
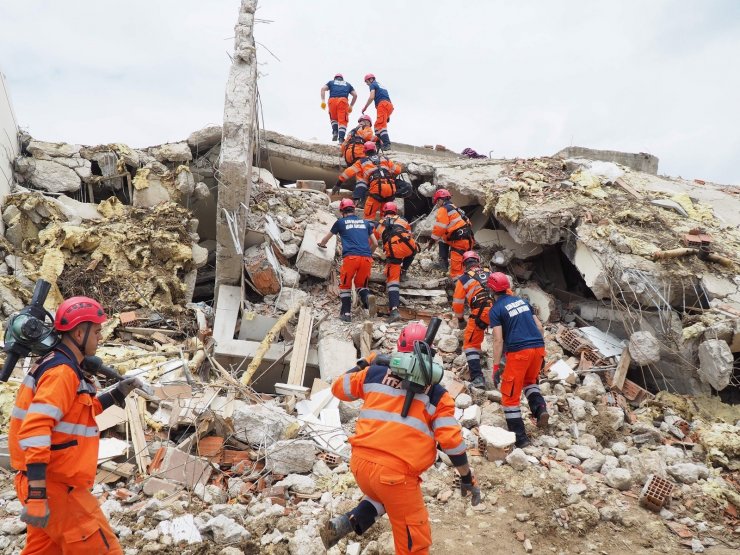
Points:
x=622 y=367
x=136 y=426
x=227 y=310
x=366 y=339
x=300 y=347
x=619 y=181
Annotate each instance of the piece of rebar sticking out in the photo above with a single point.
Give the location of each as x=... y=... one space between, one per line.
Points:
x=95 y=365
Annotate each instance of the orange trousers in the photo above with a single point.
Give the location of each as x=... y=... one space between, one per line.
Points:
x=338 y=111
x=401 y=496
x=522 y=369
x=76 y=525
x=473 y=338
x=383 y=112
x=372 y=207
x=355 y=269
x=456 y=258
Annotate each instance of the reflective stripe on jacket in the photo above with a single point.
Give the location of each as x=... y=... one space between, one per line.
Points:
x=449 y=219
x=363 y=169
x=53 y=421
x=391 y=247
x=408 y=445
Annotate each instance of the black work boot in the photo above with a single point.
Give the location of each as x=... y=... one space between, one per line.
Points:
x=394 y=316
x=516 y=425
x=334 y=530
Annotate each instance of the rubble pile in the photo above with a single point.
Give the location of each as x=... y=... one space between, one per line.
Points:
x=242 y=448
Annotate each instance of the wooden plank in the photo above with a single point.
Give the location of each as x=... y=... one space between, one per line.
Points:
x=423 y=292
x=622 y=367
x=300 y=347
x=136 y=425
x=628 y=188
x=227 y=311
x=149 y=331
x=366 y=339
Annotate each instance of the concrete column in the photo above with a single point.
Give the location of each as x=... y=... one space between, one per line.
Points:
x=237 y=146
x=8 y=144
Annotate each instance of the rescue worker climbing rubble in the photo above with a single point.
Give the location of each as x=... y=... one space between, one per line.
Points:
x=54 y=440
x=400 y=248
x=518 y=334
x=339 y=108
x=390 y=452
x=374 y=180
x=358 y=244
x=472 y=288
x=383 y=109
x=453 y=232
x=353 y=147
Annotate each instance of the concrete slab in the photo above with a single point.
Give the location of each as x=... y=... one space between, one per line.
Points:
x=184 y=469
x=544 y=303
x=336 y=356
x=313 y=184
x=313 y=260
x=502 y=239
x=255 y=326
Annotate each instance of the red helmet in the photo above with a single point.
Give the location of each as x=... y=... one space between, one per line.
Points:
x=411 y=333
x=390 y=207
x=369 y=76
x=470 y=255
x=498 y=282
x=370 y=145
x=78 y=310
x=442 y=193
x=346 y=204
x=339 y=75
x=364 y=117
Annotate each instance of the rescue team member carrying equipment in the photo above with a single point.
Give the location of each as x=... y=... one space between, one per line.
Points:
x=472 y=287
x=390 y=452
x=358 y=245
x=453 y=232
x=517 y=332
x=375 y=178
x=400 y=248
x=383 y=109
x=54 y=440
x=339 y=109
x=353 y=147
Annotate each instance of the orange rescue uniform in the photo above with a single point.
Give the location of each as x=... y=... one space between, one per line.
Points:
x=383 y=112
x=469 y=289
x=339 y=111
x=353 y=147
x=389 y=453
x=53 y=425
x=370 y=184
x=453 y=227
x=400 y=249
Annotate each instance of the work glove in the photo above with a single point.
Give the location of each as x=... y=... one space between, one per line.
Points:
x=497 y=372
x=323 y=105
x=36 y=510
x=124 y=387
x=337 y=186
x=460 y=323
x=468 y=484
x=349 y=109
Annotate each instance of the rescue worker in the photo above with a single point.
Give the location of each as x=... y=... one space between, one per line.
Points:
x=400 y=248
x=453 y=232
x=375 y=180
x=358 y=244
x=383 y=109
x=472 y=288
x=389 y=452
x=353 y=147
x=518 y=334
x=54 y=440
x=339 y=108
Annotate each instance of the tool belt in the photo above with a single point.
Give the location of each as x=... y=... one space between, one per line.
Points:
x=478 y=316
x=461 y=233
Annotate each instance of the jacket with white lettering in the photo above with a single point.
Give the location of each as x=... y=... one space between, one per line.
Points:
x=53 y=433
x=407 y=445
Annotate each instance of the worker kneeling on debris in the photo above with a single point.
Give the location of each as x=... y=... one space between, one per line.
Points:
x=518 y=334
x=394 y=443
x=54 y=440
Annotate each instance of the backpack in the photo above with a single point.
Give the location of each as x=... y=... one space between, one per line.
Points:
x=481 y=298
x=392 y=230
x=381 y=184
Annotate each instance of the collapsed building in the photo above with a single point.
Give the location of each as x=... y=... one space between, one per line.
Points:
x=204 y=252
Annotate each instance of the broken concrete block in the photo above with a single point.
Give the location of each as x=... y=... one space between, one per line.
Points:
x=75 y=209
x=518 y=460
x=644 y=348
x=290 y=457
x=497 y=437
x=715 y=363
x=108 y=163
x=290 y=297
x=448 y=343
x=53 y=177
x=717 y=286
x=263 y=270
x=290 y=277
x=42 y=149
x=200 y=255
x=172 y=152
x=543 y=303
x=501 y=239
x=471 y=416
x=201 y=191
x=312 y=184
x=152 y=194
x=313 y=260
x=261 y=424
x=184 y=469
x=261 y=175
x=204 y=139
x=226 y=530
x=181 y=528
x=619 y=478
x=336 y=356
x=153 y=485
x=184 y=181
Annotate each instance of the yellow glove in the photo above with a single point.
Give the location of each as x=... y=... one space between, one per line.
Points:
x=349 y=109
x=323 y=105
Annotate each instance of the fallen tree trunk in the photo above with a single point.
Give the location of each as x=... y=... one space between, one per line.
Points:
x=267 y=341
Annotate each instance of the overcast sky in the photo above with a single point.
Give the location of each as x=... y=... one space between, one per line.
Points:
x=516 y=78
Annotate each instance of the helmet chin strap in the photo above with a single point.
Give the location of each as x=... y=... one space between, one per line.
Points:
x=81 y=346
